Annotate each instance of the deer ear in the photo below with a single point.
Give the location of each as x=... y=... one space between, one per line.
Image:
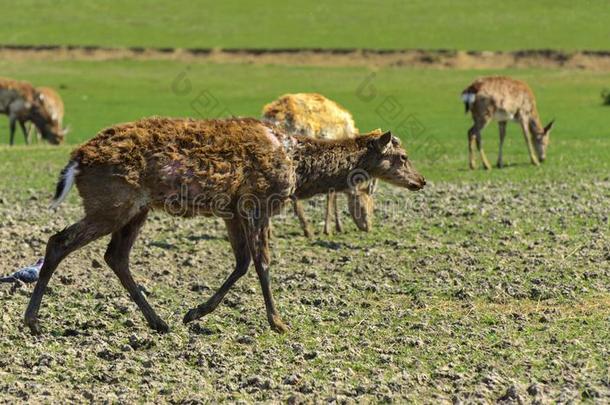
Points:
x=549 y=126
x=382 y=143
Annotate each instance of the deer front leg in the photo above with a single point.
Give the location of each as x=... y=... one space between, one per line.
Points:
x=502 y=128
x=259 y=249
x=31 y=129
x=486 y=164
x=237 y=237
x=298 y=211
x=528 y=141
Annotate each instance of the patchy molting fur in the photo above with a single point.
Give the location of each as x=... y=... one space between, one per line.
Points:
x=504 y=99
x=195 y=160
x=130 y=168
x=313 y=115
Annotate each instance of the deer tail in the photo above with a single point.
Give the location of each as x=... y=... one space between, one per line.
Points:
x=65 y=183
x=468 y=96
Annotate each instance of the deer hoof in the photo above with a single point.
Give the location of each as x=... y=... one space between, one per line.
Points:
x=160 y=326
x=34 y=326
x=191 y=315
x=278 y=325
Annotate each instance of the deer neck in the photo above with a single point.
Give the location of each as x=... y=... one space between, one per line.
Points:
x=535 y=124
x=323 y=166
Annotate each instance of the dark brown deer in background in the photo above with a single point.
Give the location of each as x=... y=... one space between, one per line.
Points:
x=504 y=99
x=22 y=103
x=186 y=167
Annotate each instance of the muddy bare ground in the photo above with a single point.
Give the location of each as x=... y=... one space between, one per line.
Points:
x=468 y=292
x=442 y=59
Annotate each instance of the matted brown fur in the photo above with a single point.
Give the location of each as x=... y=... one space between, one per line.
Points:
x=211 y=157
x=310 y=114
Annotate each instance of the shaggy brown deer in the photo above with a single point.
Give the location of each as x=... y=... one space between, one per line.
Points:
x=242 y=170
x=504 y=99
x=52 y=102
x=313 y=115
x=22 y=103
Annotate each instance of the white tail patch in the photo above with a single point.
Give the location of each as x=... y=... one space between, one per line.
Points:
x=468 y=97
x=66 y=181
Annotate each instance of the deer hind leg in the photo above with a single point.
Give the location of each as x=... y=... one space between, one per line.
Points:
x=471 y=144
x=474 y=137
x=502 y=128
x=117 y=257
x=59 y=246
x=12 y=127
x=328 y=213
x=528 y=141
x=237 y=237
x=300 y=213
x=26 y=134
x=259 y=249
x=338 y=225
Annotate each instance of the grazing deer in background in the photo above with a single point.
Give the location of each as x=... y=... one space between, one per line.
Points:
x=52 y=102
x=242 y=170
x=22 y=103
x=504 y=99
x=316 y=116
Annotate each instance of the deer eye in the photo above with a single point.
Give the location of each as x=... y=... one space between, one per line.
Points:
x=403 y=158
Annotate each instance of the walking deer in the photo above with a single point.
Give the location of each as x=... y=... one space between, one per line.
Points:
x=316 y=116
x=240 y=169
x=504 y=99
x=22 y=103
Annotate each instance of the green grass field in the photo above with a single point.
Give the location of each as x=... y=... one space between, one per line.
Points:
x=444 y=24
x=101 y=94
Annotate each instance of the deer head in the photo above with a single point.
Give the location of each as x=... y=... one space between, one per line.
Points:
x=541 y=141
x=49 y=128
x=360 y=204
x=388 y=161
